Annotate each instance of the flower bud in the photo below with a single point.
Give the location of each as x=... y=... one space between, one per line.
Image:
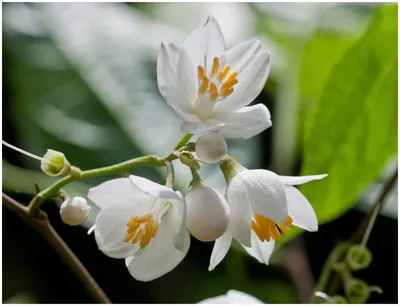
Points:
x=357 y=291
x=207 y=213
x=358 y=257
x=55 y=163
x=211 y=147
x=74 y=211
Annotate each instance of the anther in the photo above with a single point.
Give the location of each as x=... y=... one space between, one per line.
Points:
x=224 y=72
x=200 y=72
x=215 y=66
x=204 y=85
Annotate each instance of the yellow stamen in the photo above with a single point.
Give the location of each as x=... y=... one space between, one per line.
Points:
x=204 y=85
x=213 y=92
x=142 y=229
x=200 y=72
x=224 y=92
x=215 y=66
x=223 y=73
x=228 y=84
x=232 y=76
x=265 y=229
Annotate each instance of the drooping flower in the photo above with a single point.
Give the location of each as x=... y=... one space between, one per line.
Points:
x=263 y=205
x=210 y=87
x=74 y=211
x=207 y=213
x=143 y=222
x=232 y=297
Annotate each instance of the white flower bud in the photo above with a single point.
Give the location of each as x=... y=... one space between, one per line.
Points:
x=55 y=163
x=211 y=147
x=208 y=213
x=74 y=211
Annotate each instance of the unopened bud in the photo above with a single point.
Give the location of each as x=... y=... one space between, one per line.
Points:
x=357 y=291
x=55 y=163
x=207 y=213
x=358 y=257
x=74 y=211
x=211 y=147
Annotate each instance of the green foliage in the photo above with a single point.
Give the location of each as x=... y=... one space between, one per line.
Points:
x=352 y=131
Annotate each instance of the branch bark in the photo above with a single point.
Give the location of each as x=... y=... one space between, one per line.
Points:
x=40 y=222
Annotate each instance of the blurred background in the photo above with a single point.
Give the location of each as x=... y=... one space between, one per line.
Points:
x=81 y=78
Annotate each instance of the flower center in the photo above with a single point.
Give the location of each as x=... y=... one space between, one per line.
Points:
x=142 y=229
x=266 y=229
x=214 y=85
x=218 y=84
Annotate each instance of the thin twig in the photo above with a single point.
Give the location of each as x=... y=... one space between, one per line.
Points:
x=42 y=225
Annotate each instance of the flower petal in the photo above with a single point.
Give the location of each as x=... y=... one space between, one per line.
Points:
x=245 y=122
x=110 y=227
x=154 y=189
x=251 y=61
x=261 y=251
x=201 y=127
x=266 y=194
x=159 y=258
x=112 y=192
x=239 y=203
x=187 y=78
x=168 y=83
x=207 y=40
x=221 y=248
x=177 y=219
x=298 y=180
x=242 y=298
x=300 y=210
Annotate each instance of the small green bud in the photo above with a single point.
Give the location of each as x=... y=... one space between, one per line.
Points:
x=358 y=257
x=55 y=163
x=188 y=159
x=357 y=291
x=229 y=167
x=339 y=299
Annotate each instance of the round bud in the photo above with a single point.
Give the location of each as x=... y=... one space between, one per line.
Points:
x=211 y=147
x=74 y=211
x=358 y=257
x=207 y=213
x=55 y=163
x=357 y=291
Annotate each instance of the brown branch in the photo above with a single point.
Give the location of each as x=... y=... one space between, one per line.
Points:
x=42 y=225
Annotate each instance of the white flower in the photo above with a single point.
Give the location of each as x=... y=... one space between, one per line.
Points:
x=209 y=87
x=263 y=204
x=74 y=211
x=143 y=222
x=207 y=213
x=232 y=297
x=211 y=147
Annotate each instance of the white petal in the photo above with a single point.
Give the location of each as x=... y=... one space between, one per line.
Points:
x=187 y=77
x=177 y=219
x=251 y=61
x=205 y=41
x=168 y=84
x=221 y=299
x=300 y=210
x=245 y=122
x=201 y=127
x=242 y=298
x=239 y=203
x=112 y=192
x=110 y=227
x=261 y=251
x=298 y=180
x=266 y=194
x=221 y=248
x=159 y=258
x=154 y=189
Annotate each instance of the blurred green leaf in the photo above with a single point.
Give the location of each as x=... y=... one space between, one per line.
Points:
x=352 y=131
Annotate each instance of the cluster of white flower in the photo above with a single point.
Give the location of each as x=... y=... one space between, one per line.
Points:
x=148 y=224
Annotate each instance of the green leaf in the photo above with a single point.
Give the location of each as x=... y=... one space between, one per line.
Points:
x=352 y=131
